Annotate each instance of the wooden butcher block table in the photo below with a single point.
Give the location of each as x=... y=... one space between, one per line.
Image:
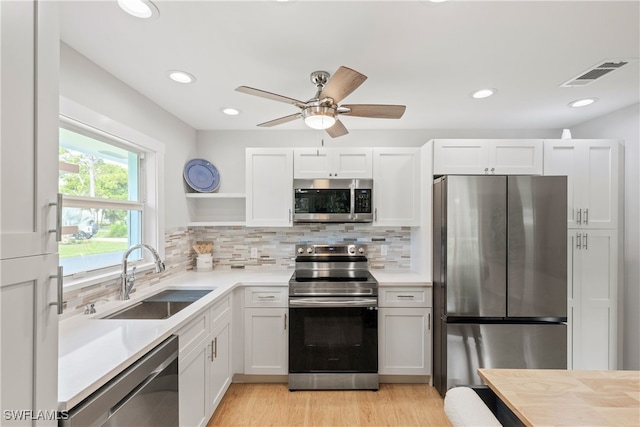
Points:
x=547 y=397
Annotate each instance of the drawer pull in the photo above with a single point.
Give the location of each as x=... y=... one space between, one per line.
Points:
x=266 y=297
x=406 y=296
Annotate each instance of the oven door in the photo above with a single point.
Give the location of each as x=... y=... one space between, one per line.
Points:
x=333 y=335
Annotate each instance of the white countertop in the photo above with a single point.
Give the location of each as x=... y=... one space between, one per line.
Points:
x=93 y=350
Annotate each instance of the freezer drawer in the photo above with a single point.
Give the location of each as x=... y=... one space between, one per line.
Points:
x=473 y=346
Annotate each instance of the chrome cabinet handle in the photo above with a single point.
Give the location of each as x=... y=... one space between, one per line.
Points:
x=58 y=229
x=586 y=236
x=266 y=296
x=406 y=296
x=289 y=215
x=586 y=216
x=60 y=280
x=429 y=321
x=285 y=321
x=579 y=220
x=215 y=347
x=579 y=241
x=375 y=214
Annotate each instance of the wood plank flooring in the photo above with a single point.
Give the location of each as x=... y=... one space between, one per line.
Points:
x=274 y=405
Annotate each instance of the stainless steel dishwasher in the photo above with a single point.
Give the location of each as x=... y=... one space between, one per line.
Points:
x=145 y=394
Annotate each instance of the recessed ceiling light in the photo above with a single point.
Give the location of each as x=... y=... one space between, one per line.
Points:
x=582 y=102
x=139 y=8
x=438 y=1
x=229 y=111
x=483 y=93
x=181 y=76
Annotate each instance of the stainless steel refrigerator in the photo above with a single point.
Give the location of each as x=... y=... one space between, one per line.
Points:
x=499 y=275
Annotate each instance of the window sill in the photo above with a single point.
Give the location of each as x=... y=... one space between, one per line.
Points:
x=78 y=281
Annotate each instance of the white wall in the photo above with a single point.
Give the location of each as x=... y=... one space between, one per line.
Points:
x=83 y=82
x=624 y=124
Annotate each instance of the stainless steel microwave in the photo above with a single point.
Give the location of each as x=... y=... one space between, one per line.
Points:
x=333 y=200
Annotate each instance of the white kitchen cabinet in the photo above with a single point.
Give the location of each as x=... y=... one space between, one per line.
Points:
x=269 y=173
x=193 y=383
x=266 y=331
x=28 y=154
x=396 y=186
x=593 y=299
x=204 y=363
x=404 y=331
x=592 y=168
x=340 y=163
x=487 y=157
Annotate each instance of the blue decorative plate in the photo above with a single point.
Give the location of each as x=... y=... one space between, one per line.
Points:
x=201 y=175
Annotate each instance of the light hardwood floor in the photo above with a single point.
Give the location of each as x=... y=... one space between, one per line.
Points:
x=274 y=405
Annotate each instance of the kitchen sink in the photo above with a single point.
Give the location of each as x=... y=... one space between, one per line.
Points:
x=160 y=306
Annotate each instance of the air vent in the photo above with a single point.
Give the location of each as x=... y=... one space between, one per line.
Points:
x=594 y=73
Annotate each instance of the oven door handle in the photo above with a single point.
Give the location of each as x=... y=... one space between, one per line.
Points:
x=333 y=302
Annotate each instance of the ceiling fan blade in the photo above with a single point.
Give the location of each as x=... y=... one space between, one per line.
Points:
x=342 y=83
x=337 y=130
x=281 y=120
x=269 y=95
x=376 y=111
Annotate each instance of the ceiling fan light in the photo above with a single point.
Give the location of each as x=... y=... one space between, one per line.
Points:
x=319 y=117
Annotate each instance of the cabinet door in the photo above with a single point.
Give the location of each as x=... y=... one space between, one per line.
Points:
x=310 y=163
x=515 y=157
x=266 y=341
x=347 y=163
x=592 y=170
x=595 y=297
x=563 y=158
x=29 y=334
x=221 y=365
x=194 y=386
x=404 y=339
x=396 y=192
x=269 y=187
x=29 y=127
x=352 y=163
x=460 y=157
x=599 y=185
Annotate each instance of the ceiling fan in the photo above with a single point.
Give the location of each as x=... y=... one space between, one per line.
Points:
x=322 y=111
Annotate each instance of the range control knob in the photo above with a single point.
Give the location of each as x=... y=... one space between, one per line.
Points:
x=361 y=250
x=300 y=250
x=352 y=250
x=309 y=250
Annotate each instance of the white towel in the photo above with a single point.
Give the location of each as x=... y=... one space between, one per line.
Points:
x=464 y=408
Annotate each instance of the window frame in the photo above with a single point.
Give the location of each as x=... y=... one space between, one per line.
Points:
x=151 y=176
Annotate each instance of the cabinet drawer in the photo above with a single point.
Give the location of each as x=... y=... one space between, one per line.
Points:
x=220 y=310
x=266 y=297
x=410 y=296
x=194 y=333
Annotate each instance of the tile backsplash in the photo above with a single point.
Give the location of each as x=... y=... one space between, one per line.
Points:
x=274 y=246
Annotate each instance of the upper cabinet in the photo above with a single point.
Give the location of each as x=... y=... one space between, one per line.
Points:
x=396 y=186
x=341 y=163
x=487 y=157
x=269 y=198
x=592 y=168
x=29 y=123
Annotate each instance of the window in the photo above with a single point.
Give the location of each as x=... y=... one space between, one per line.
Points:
x=102 y=204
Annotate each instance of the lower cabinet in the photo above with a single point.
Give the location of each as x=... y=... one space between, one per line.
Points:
x=404 y=331
x=204 y=363
x=266 y=331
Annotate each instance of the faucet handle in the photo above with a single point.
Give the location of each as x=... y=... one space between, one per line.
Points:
x=90 y=307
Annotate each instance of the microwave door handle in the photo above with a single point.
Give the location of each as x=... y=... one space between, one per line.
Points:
x=352 y=202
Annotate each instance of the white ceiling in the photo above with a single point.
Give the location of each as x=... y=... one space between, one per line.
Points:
x=427 y=56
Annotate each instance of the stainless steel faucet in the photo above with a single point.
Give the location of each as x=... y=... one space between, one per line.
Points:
x=129 y=280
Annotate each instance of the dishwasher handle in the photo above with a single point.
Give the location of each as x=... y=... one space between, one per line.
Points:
x=99 y=407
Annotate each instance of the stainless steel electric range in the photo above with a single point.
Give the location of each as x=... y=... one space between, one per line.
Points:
x=333 y=319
